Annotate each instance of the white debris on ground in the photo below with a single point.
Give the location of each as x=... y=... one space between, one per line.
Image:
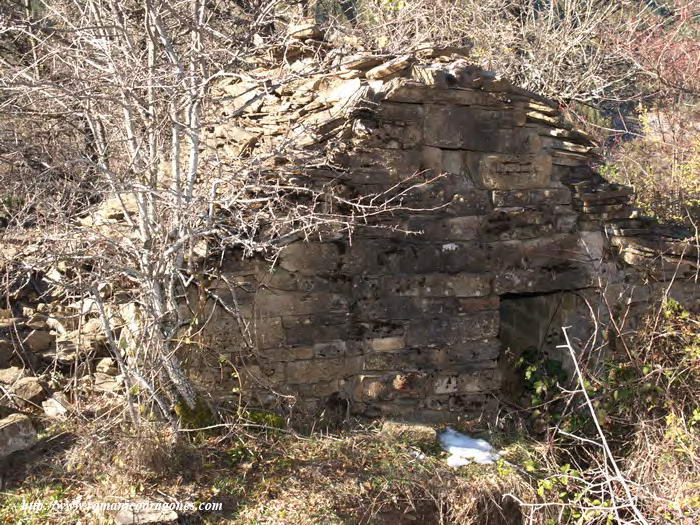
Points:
x=418 y=455
x=465 y=450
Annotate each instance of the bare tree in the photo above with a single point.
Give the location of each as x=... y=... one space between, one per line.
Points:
x=568 y=50
x=132 y=80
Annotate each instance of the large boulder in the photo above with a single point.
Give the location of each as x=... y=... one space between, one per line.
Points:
x=38 y=340
x=16 y=433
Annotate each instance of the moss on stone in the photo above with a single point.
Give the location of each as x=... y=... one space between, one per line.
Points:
x=198 y=417
x=260 y=417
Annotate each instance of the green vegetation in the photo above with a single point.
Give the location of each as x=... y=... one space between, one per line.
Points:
x=200 y=416
x=662 y=164
x=645 y=400
x=265 y=419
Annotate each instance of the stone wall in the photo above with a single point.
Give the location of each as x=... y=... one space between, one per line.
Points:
x=411 y=325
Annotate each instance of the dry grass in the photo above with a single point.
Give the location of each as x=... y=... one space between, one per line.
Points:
x=121 y=459
x=364 y=477
x=357 y=475
x=360 y=475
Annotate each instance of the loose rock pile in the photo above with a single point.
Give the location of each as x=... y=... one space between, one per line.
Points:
x=51 y=357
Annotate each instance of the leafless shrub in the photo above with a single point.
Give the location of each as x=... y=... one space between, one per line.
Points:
x=571 y=50
x=124 y=460
x=131 y=81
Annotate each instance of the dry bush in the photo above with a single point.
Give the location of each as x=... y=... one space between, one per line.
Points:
x=667 y=47
x=590 y=51
x=662 y=164
x=41 y=181
x=115 y=459
x=571 y=51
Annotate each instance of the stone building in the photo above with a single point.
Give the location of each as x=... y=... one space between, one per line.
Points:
x=515 y=236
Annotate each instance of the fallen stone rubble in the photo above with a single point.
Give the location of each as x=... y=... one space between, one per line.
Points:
x=45 y=365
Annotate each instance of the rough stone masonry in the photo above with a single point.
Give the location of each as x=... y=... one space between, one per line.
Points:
x=414 y=325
